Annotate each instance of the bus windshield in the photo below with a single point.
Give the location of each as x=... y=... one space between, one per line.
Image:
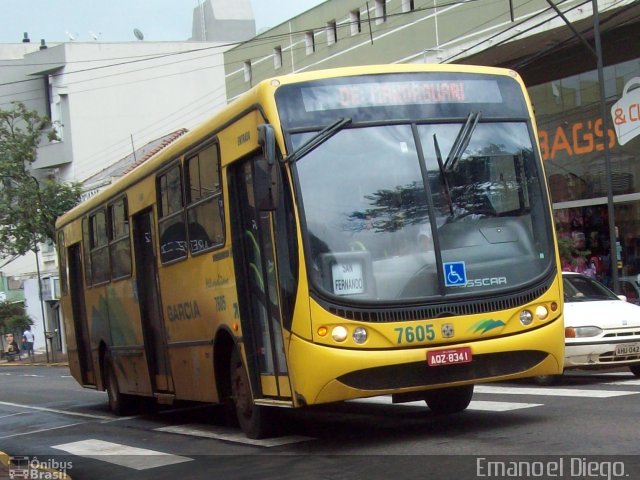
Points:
x=392 y=213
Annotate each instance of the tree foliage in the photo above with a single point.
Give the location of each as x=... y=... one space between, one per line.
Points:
x=13 y=318
x=29 y=205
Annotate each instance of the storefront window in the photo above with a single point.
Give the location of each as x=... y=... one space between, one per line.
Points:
x=572 y=142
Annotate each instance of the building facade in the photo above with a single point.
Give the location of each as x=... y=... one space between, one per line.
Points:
x=108 y=101
x=558 y=64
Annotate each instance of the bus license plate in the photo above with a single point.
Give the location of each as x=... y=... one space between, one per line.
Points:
x=450 y=356
x=628 y=349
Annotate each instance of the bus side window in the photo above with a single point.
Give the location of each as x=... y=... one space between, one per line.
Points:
x=173 y=237
x=204 y=200
x=119 y=244
x=98 y=245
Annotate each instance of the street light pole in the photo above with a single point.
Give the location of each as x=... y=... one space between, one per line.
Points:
x=44 y=320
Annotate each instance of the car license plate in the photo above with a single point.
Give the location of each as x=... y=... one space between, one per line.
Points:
x=628 y=349
x=448 y=357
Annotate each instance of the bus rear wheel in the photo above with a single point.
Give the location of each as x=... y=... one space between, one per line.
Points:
x=635 y=369
x=449 y=400
x=253 y=419
x=119 y=403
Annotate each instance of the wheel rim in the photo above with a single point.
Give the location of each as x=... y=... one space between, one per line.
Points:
x=242 y=392
x=112 y=391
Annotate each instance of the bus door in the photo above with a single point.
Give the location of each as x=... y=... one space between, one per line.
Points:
x=79 y=311
x=155 y=344
x=258 y=289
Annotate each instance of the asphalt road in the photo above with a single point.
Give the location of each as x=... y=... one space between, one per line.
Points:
x=583 y=428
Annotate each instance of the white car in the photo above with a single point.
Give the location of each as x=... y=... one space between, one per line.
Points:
x=602 y=330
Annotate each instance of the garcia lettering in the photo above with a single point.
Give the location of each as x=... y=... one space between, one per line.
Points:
x=183 y=311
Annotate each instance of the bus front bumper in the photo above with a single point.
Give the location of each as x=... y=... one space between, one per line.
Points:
x=322 y=374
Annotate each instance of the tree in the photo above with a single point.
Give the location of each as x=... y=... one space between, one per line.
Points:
x=13 y=318
x=29 y=206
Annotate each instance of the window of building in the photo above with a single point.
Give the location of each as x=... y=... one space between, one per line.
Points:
x=204 y=200
x=354 y=20
x=173 y=237
x=277 y=57
x=247 y=71
x=310 y=42
x=408 y=5
x=332 y=32
x=381 y=11
x=99 y=247
x=119 y=243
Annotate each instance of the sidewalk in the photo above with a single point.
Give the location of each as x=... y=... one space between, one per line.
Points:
x=56 y=359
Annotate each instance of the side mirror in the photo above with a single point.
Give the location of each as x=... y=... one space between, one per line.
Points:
x=265 y=181
x=267 y=140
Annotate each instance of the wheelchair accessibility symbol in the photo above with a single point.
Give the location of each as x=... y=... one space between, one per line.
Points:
x=455 y=274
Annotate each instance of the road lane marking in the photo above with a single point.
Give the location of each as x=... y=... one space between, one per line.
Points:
x=13 y=414
x=54 y=410
x=478 y=405
x=486 y=406
x=119 y=454
x=41 y=430
x=231 y=435
x=551 y=392
x=624 y=382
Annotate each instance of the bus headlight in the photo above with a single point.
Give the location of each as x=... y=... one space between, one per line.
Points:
x=339 y=334
x=360 y=335
x=542 y=312
x=526 y=317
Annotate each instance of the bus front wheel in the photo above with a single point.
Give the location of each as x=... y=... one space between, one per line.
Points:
x=253 y=419
x=449 y=400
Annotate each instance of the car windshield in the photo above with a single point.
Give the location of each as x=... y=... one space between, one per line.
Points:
x=579 y=288
x=389 y=218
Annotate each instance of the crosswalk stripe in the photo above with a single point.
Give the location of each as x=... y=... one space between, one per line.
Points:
x=123 y=455
x=230 y=435
x=551 y=392
x=624 y=382
x=486 y=406
x=478 y=405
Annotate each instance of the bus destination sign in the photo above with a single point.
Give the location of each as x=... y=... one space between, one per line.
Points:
x=399 y=93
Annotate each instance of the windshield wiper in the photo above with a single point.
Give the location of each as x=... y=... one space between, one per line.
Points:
x=318 y=139
x=445 y=181
x=462 y=141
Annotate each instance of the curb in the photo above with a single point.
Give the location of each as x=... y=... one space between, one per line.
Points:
x=36 y=364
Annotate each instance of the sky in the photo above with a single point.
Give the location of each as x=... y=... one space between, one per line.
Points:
x=115 y=20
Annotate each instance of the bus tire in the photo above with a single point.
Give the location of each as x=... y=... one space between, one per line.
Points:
x=449 y=400
x=253 y=419
x=547 y=380
x=635 y=369
x=119 y=403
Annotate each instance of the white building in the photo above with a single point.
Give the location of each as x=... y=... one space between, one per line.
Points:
x=107 y=100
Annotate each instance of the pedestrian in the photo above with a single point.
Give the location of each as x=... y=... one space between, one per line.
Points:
x=28 y=338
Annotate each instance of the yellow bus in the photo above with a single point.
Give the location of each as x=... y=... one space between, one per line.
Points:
x=331 y=235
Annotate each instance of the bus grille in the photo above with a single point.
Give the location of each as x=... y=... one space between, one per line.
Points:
x=417 y=374
x=437 y=310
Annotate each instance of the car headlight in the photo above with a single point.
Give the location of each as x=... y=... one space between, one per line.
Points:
x=581 y=332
